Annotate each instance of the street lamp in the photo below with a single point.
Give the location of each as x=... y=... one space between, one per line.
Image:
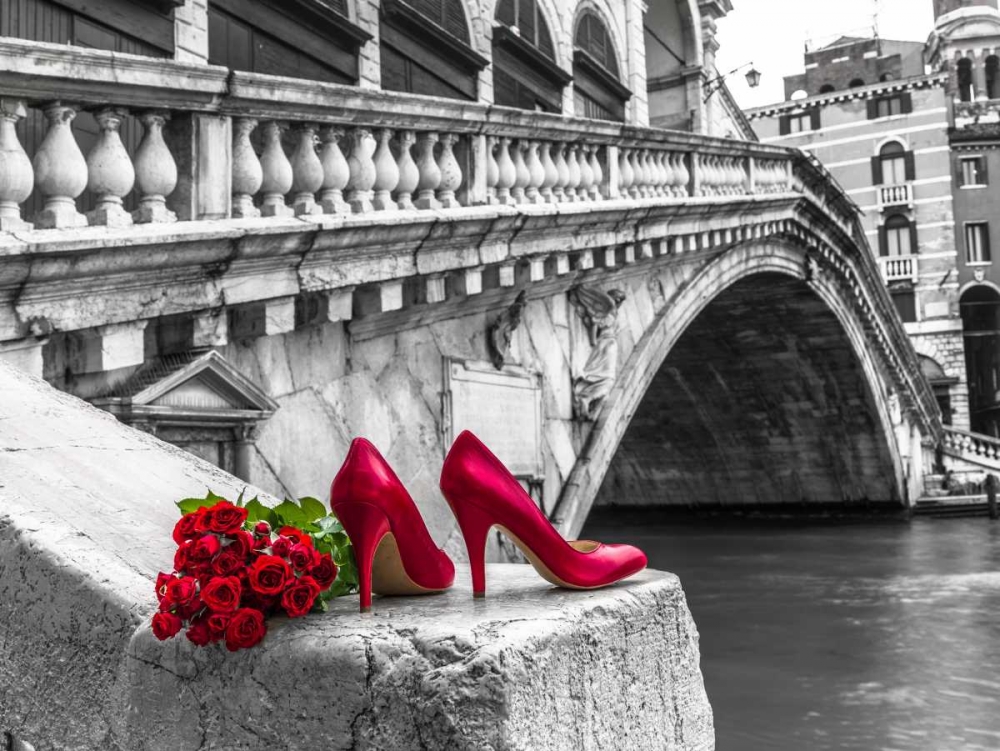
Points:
x=753 y=80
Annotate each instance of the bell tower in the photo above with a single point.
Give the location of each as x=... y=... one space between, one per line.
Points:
x=947 y=6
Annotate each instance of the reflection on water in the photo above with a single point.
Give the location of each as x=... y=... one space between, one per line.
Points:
x=875 y=636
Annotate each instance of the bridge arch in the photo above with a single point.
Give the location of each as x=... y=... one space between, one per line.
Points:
x=776 y=262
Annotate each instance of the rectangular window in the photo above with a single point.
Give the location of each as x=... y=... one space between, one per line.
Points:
x=906 y=305
x=972 y=171
x=898 y=241
x=977 y=242
x=886 y=106
x=799 y=123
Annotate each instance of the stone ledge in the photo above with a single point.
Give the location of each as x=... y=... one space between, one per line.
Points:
x=530 y=667
x=85 y=519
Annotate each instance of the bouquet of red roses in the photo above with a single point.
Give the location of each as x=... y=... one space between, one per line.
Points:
x=236 y=564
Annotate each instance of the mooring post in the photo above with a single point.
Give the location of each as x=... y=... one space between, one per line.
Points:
x=991 y=496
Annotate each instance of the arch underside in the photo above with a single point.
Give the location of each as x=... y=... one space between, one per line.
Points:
x=761 y=401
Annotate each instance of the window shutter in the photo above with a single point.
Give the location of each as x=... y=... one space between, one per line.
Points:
x=876 y=170
x=985 y=234
x=910 y=164
x=814 y=118
x=784 y=125
x=906 y=103
x=883 y=241
x=913 y=237
x=959 y=173
x=984 y=177
x=872 y=109
x=506 y=13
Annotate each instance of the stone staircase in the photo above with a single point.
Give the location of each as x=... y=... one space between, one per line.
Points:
x=967 y=459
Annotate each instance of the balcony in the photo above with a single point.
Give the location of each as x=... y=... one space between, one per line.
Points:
x=895 y=196
x=898 y=268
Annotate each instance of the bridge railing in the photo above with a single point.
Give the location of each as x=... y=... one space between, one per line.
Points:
x=976 y=447
x=205 y=142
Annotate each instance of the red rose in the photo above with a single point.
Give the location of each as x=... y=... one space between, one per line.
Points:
x=188 y=526
x=199 y=634
x=246 y=628
x=299 y=597
x=302 y=556
x=222 y=594
x=162 y=580
x=166 y=625
x=225 y=518
x=182 y=555
x=281 y=546
x=179 y=592
x=262 y=529
x=241 y=542
x=204 y=549
x=268 y=574
x=217 y=623
x=297 y=535
x=228 y=562
x=324 y=572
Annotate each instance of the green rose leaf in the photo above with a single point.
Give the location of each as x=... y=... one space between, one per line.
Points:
x=289 y=513
x=312 y=508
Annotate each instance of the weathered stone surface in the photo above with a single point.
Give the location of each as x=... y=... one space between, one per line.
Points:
x=529 y=668
x=86 y=511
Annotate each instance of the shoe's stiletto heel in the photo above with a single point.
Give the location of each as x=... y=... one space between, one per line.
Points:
x=483 y=494
x=394 y=552
x=475 y=526
x=366 y=526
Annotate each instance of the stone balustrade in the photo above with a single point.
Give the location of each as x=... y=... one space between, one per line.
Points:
x=975 y=447
x=285 y=147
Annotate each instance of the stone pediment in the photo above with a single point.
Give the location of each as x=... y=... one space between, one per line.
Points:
x=196 y=385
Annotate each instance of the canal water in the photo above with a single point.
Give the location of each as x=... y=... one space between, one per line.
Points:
x=879 y=636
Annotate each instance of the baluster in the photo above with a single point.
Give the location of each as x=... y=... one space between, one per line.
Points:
x=506 y=172
x=683 y=176
x=551 y=173
x=362 y=169
x=626 y=175
x=656 y=169
x=667 y=173
x=16 y=176
x=451 y=173
x=492 y=170
x=336 y=173
x=595 y=167
x=110 y=174
x=386 y=172
x=536 y=172
x=562 y=172
x=307 y=171
x=409 y=175
x=521 y=174
x=60 y=170
x=248 y=175
x=430 y=173
x=638 y=178
x=277 y=172
x=155 y=171
x=586 y=174
x=573 y=167
x=649 y=171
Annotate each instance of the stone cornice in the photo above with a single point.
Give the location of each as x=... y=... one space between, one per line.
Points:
x=861 y=92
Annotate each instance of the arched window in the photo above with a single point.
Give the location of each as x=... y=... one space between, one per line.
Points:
x=966 y=88
x=897 y=236
x=992 y=68
x=980 y=310
x=598 y=90
x=827 y=88
x=893 y=157
x=425 y=49
x=525 y=73
x=855 y=83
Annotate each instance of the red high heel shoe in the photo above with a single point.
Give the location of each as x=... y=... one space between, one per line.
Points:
x=483 y=494
x=394 y=551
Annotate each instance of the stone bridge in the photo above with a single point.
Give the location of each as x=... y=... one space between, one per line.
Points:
x=759 y=359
